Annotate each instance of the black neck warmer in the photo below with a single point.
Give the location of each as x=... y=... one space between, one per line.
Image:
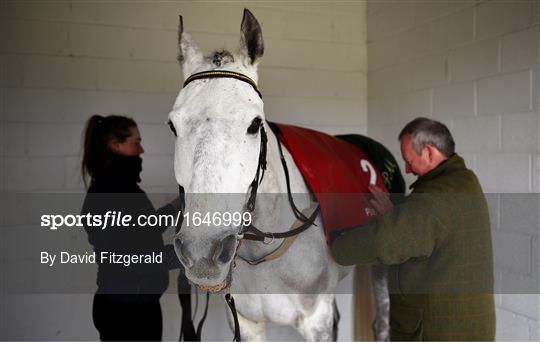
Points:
x=123 y=169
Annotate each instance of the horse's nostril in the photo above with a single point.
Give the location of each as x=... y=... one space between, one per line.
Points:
x=226 y=249
x=180 y=250
x=177 y=244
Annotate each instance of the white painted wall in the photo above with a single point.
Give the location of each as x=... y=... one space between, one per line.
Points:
x=63 y=61
x=475 y=66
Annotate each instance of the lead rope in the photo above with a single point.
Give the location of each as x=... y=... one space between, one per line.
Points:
x=200 y=326
x=187 y=330
x=230 y=301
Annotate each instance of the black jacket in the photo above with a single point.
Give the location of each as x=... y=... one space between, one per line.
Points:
x=118 y=190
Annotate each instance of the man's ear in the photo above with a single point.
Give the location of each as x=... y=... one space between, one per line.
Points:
x=430 y=155
x=434 y=155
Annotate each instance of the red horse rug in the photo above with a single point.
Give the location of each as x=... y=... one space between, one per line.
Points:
x=337 y=172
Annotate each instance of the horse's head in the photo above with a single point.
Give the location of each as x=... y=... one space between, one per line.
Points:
x=217 y=123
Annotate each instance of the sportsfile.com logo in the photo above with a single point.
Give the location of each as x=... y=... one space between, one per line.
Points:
x=109 y=219
x=114 y=219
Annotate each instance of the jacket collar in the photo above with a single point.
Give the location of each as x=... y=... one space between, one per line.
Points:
x=452 y=163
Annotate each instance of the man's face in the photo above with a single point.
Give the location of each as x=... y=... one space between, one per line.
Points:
x=414 y=163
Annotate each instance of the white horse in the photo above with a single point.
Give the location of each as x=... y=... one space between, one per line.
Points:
x=219 y=124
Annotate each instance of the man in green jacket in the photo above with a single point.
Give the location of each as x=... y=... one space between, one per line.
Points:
x=437 y=243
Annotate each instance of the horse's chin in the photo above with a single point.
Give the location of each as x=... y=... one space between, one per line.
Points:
x=218 y=287
x=215 y=288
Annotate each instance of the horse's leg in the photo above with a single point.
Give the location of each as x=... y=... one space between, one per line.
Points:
x=251 y=331
x=320 y=324
x=381 y=325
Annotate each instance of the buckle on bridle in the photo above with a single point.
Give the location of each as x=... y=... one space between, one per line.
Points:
x=272 y=239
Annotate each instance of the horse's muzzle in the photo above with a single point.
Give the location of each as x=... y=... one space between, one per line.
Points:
x=210 y=266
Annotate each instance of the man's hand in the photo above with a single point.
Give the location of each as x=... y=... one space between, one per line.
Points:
x=381 y=200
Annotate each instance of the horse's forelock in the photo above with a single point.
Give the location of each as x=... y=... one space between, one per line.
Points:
x=221 y=57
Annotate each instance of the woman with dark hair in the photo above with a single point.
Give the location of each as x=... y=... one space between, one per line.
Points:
x=126 y=305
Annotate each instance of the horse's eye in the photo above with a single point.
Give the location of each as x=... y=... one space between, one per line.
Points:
x=255 y=125
x=172 y=127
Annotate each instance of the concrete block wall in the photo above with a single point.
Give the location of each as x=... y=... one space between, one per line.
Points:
x=63 y=61
x=475 y=66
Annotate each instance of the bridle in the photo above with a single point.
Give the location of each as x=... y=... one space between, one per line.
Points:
x=249 y=231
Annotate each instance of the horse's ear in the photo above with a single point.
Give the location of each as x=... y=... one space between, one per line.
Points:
x=251 y=39
x=189 y=56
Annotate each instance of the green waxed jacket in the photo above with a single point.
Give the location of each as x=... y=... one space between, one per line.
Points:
x=437 y=243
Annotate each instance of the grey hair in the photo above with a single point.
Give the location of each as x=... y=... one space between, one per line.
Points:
x=424 y=131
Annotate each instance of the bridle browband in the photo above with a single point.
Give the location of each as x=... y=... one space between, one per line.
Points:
x=250 y=232
x=216 y=74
